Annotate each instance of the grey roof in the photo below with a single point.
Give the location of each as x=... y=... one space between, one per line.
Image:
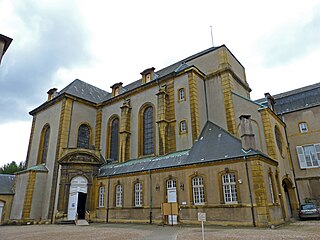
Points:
x=214 y=144
x=6 y=184
x=296 y=99
x=93 y=94
x=86 y=91
x=7 y=41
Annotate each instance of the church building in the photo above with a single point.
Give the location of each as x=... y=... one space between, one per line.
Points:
x=181 y=140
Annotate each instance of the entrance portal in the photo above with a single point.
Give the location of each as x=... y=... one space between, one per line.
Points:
x=77 y=198
x=172 y=198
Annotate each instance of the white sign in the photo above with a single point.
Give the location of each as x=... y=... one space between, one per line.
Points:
x=202 y=217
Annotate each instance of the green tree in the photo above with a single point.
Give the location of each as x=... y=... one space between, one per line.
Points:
x=11 y=168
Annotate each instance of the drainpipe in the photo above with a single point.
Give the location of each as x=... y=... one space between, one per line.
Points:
x=249 y=187
x=293 y=172
x=206 y=99
x=107 y=210
x=150 y=190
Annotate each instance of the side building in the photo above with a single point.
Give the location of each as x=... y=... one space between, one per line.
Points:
x=300 y=110
x=181 y=140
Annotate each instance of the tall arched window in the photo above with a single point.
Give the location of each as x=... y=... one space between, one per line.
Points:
x=44 y=144
x=148 y=131
x=83 y=136
x=114 y=139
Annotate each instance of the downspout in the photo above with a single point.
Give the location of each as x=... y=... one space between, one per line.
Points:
x=249 y=187
x=150 y=192
x=108 y=193
x=293 y=172
x=206 y=99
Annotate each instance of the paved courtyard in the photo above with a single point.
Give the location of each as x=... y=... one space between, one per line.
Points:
x=298 y=230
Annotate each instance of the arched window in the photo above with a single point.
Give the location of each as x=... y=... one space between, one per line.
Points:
x=83 y=136
x=229 y=188
x=114 y=139
x=44 y=144
x=278 y=139
x=148 y=131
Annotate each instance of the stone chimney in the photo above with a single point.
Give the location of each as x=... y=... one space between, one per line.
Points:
x=270 y=100
x=247 y=136
x=52 y=93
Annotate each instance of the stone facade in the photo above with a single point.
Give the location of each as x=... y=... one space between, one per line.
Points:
x=183 y=105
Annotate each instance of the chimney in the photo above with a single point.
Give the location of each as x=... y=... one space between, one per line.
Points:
x=52 y=93
x=270 y=100
x=247 y=136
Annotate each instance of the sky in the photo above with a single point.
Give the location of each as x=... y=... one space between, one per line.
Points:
x=105 y=42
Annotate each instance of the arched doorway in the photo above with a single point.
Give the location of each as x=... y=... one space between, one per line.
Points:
x=77 y=198
x=289 y=197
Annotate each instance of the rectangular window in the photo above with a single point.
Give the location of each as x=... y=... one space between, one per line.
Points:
x=229 y=188
x=183 y=126
x=303 y=127
x=309 y=155
x=119 y=196
x=101 y=197
x=138 y=195
x=181 y=95
x=198 y=191
x=271 y=189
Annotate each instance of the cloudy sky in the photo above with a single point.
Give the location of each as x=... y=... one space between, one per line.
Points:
x=104 y=42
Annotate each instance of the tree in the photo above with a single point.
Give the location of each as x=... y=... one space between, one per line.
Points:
x=11 y=168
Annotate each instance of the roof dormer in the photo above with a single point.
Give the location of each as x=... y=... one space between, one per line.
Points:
x=116 y=89
x=147 y=75
x=52 y=93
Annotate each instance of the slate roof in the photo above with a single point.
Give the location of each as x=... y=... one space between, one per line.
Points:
x=36 y=168
x=94 y=94
x=86 y=91
x=214 y=144
x=7 y=184
x=296 y=99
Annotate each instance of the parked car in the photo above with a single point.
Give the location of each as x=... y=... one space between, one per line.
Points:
x=308 y=210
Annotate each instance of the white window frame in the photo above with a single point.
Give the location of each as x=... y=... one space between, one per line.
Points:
x=229 y=186
x=303 y=127
x=306 y=160
x=119 y=195
x=198 y=191
x=182 y=96
x=183 y=126
x=101 y=197
x=138 y=195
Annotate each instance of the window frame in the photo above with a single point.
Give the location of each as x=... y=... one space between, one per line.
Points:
x=89 y=138
x=303 y=130
x=119 y=195
x=231 y=187
x=198 y=193
x=101 y=197
x=138 y=195
x=44 y=145
x=183 y=131
x=302 y=156
x=142 y=131
x=181 y=97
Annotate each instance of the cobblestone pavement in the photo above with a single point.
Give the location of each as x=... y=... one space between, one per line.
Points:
x=298 y=230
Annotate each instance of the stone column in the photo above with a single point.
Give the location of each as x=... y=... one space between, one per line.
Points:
x=162 y=121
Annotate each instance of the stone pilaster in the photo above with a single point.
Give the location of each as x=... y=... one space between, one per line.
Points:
x=125 y=131
x=30 y=140
x=268 y=133
x=162 y=120
x=259 y=189
x=28 y=196
x=98 y=129
x=194 y=106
